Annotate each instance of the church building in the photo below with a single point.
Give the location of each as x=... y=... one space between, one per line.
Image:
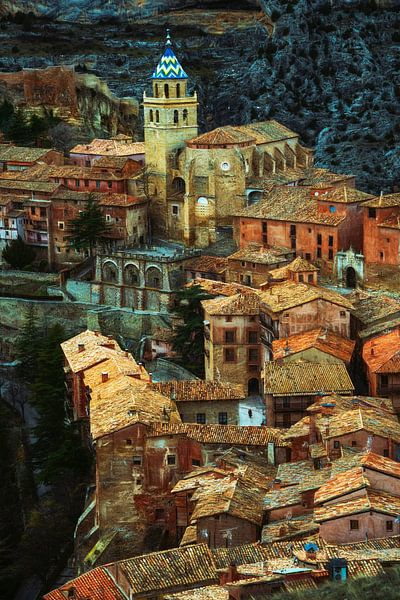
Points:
x=199 y=182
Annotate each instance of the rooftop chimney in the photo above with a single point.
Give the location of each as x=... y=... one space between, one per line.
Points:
x=104 y=377
x=81 y=347
x=150 y=377
x=276 y=484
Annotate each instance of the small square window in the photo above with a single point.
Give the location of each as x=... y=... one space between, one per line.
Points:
x=372 y=213
x=60 y=225
x=353 y=443
x=319 y=254
x=243 y=263
x=201 y=418
x=330 y=240
x=308 y=256
x=343 y=314
x=381 y=255
x=301 y=278
x=109 y=183
x=336 y=444
x=330 y=254
x=86 y=182
x=230 y=355
x=253 y=355
x=386 y=453
x=319 y=239
x=332 y=209
x=171 y=459
x=77 y=183
x=159 y=513
x=128 y=442
x=137 y=460
x=223 y=418
x=354 y=524
x=252 y=337
x=310 y=278
x=175 y=209
x=97 y=185
x=228 y=319
x=230 y=336
x=195 y=462
x=389 y=525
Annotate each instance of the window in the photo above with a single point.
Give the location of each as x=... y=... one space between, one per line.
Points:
x=343 y=314
x=389 y=525
x=185 y=115
x=354 y=525
x=60 y=225
x=222 y=418
x=171 y=459
x=159 y=513
x=195 y=462
x=201 y=418
x=230 y=336
x=330 y=240
x=386 y=453
x=354 y=443
x=58 y=248
x=381 y=255
x=109 y=183
x=166 y=90
x=97 y=185
x=330 y=254
x=151 y=116
x=229 y=355
x=286 y=403
x=308 y=256
x=33 y=210
x=228 y=319
x=301 y=278
x=128 y=442
x=319 y=253
x=108 y=217
x=157 y=116
x=243 y=263
x=178 y=90
x=87 y=163
x=43 y=212
x=336 y=444
x=253 y=355
x=175 y=209
x=252 y=337
x=332 y=208
x=77 y=183
x=319 y=239
x=176 y=117
x=264 y=227
x=384 y=380
x=293 y=230
x=372 y=213
x=137 y=460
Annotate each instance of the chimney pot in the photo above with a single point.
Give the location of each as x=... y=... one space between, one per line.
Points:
x=81 y=347
x=104 y=377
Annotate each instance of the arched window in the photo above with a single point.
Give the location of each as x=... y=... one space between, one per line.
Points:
x=176 y=117
x=185 y=115
x=157 y=116
x=178 y=90
x=178 y=184
x=110 y=273
x=157 y=92
x=151 y=116
x=166 y=90
x=153 y=278
x=131 y=275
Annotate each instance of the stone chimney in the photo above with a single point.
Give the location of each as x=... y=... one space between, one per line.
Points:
x=233 y=574
x=104 y=377
x=276 y=484
x=81 y=347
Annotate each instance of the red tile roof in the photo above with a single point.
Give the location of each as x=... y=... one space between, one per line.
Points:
x=97 y=584
x=382 y=353
x=322 y=339
x=342 y=484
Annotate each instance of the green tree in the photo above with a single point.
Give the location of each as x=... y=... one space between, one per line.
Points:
x=89 y=228
x=189 y=334
x=18 y=254
x=20 y=130
x=27 y=346
x=6 y=115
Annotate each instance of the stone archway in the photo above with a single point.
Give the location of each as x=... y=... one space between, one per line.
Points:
x=110 y=272
x=351 y=277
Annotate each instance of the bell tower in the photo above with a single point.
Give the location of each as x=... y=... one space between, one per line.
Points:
x=170 y=118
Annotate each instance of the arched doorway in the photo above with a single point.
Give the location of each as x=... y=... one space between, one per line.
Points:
x=110 y=272
x=253 y=387
x=178 y=185
x=351 y=277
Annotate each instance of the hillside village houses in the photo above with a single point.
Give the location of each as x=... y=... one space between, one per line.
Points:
x=277 y=469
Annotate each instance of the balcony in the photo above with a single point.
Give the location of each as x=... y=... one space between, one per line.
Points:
x=265 y=340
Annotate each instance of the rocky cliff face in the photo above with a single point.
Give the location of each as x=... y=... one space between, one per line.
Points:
x=327 y=70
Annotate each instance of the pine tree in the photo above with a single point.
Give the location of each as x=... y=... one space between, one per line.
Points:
x=89 y=228
x=6 y=115
x=189 y=336
x=18 y=254
x=27 y=346
x=19 y=130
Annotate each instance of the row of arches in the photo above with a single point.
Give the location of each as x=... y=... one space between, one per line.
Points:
x=154 y=116
x=132 y=276
x=166 y=90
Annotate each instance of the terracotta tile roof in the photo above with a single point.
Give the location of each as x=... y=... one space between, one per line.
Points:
x=366 y=567
x=298 y=585
x=370 y=307
x=319 y=177
x=96 y=348
x=211 y=592
x=232 y=495
x=232 y=435
x=285 y=497
x=239 y=304
x=261 y=256
x=373 y=461
x=371 y=501
x=190 y=536
x=200 y=390
x=382 y=353
x=384 y=201
x=288 y=294
x=298 y=265
x=97 y=584
x=222 y=135
x=185 y=567
x=295 y=528
x=112 y=162
x=78 y=172
x=116 y=365
x=267 y=131
x=292 y=473
x=110 y=148
x=336 y=403
x=293 y=204
x=207 y=264
x=239 y=555
x=306 y=378
x=322 y=339
x=362 y=419
x=119 y=200
x=219 y=288
x=381 y=548
x=34 y=186
x=198 y=478
x=342 y=484
x=392 y=222
x=124 y=401
x=22 y=153
x=345 y=195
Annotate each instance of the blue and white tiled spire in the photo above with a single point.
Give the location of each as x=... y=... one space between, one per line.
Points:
x=169 y=66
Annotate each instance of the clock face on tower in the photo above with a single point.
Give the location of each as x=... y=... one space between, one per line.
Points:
x=225 y=166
